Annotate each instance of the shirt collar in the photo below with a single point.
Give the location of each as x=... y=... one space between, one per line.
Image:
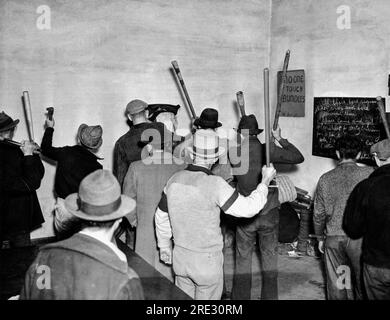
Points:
x=193 y=167
x=119 y=253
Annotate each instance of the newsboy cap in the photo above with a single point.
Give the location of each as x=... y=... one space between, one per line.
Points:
x=136 y=106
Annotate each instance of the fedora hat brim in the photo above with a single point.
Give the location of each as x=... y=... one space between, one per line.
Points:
x=251 y=131
x=127 y=205
x=10 y=126
x=221 y=152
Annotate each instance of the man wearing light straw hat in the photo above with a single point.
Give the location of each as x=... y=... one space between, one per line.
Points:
x=88 y=265
x=189 y=210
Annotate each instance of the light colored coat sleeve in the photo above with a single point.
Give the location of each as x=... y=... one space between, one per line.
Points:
x=163 y=228
x=130 y=189
x=231 y=202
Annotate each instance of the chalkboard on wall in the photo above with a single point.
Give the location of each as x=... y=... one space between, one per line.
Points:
x=334 y=117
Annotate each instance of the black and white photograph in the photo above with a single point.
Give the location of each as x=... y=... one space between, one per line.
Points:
x=196 y=154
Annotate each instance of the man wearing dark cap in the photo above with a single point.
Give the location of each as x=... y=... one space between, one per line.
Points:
x=21 y=172
x=88 y=265
x=265 y=226
x=74 y=163
x=127 y=148
x=166 y=114
x=144 y=182
x=367 y=215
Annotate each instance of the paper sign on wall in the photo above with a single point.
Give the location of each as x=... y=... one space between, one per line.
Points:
x=293 y=98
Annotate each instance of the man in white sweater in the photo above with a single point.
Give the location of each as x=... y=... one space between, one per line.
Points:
x=189 y=211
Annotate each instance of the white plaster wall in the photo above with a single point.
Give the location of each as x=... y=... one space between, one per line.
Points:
x=99 y=55
x=351 y=62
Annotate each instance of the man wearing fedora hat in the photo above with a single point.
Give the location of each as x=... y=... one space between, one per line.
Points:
x=208 y=120
x=367 y=215
x=88 y=265
x=264 y=226
x=189 y=211
x=127 y=148
x=144 y=182
x=74 y=163
x=21 y=172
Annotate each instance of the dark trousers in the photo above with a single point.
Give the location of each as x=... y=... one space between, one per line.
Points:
x=343 y=268
x=377 y=282
x=306 y=221
x=265 y=228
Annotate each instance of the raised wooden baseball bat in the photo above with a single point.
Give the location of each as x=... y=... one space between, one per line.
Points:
x=281 y=89
x=266 y=116
x=9 y=141
x=50 y=112
x=18 y=144
x=175 y=66
x=381 y=108
x=28 y=114
x=241 y=102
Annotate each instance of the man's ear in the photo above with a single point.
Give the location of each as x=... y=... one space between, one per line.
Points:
x=129 y=117
x=338 y=154
x=117 y=223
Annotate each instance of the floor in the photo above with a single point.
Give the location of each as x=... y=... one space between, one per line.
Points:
x=299 y=278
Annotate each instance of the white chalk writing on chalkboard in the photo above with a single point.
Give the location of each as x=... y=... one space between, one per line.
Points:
x=334 y=117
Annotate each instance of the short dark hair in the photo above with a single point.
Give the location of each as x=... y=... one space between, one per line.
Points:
x=97 y=224
x=349 y=146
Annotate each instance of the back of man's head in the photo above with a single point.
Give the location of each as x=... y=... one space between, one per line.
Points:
x=168 y=119
x=136 y=111
x=139 y=117
x=348 y=146
x=97 y=224
x=381 y=152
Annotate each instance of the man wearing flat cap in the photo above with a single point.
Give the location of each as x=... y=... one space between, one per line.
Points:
x=367 y=215
x=21 y=172
x=127 y=148
x=88 y=265
x=74 y=163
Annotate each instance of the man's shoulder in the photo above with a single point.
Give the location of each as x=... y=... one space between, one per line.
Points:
x=328 y=175
x=122 y=139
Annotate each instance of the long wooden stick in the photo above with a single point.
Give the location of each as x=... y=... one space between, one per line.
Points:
x=266 y=116
x=183 y=86
x=28 y=113
x=381 y=108
x=281 y=89
x=241 y=102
